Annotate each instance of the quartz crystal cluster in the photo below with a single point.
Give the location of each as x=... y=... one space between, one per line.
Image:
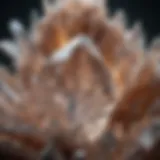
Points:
x=85 y=86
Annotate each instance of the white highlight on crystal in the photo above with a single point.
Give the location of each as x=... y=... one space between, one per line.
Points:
x=10 y=48
x=146 y=140
x=66 y=52
x=135 y=36
x=16 y=28
x=119 y=20
x=93 y=132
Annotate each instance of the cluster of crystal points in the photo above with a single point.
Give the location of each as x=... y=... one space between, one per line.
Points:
x=85 y=87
